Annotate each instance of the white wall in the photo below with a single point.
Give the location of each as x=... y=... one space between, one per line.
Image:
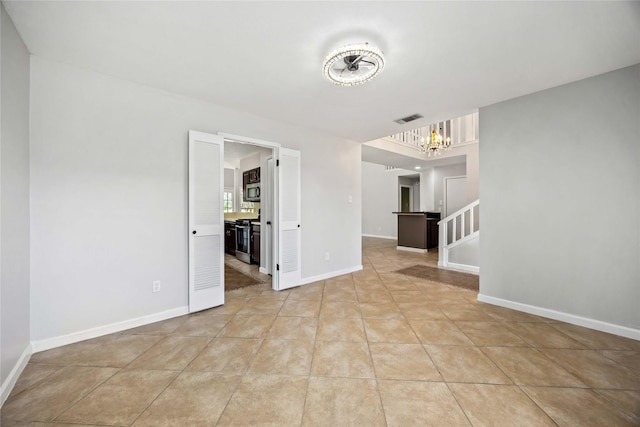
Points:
x=380 y=198
x=560 y=189
x=14 y=200
x=109 y=196
x=440 y=174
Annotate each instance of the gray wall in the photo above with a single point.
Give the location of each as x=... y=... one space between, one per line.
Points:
x=14 y=197
x=560 y=191
x=109 y=196
x=380 y=198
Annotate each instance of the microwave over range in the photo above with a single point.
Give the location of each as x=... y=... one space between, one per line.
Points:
x=252 y=192
x=251 y=184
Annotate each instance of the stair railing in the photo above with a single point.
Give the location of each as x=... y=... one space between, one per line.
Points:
x=457 y=228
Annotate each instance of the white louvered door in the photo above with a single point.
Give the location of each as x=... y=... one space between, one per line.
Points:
x=289 y=257
x=206 y=221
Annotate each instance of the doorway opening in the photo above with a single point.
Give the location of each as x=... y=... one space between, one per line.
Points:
x=248 y=213
x=208 y=200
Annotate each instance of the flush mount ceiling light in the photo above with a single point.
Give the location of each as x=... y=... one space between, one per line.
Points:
x=353 y=64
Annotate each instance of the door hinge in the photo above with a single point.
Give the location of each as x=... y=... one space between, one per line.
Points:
x=278 y=267
x=278 y=162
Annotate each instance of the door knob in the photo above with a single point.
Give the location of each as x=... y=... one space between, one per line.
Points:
x=193 y=232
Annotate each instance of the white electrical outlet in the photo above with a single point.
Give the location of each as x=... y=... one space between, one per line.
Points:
x=326 y=256
x=156 y=286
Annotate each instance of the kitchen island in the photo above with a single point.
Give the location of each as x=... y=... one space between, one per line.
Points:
x=417 y=231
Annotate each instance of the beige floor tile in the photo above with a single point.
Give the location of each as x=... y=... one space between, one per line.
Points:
x=466 y=312
x=6 y=423
x=425 y=311
x=597 y=340
x=50 y=397
x=339 y=281
x=342 y=402
x=340 y=309
x=226 y=355
x=342 y=359
x=231 y=306
x=527 y=366
x=499 y=405
x=121 y=399
x=203 y=326
x=626 y=400
x=508 y=315
x=628 y=359
x=164 y=327
x=33 y=374
x=401 y=285
x=577 y=407
x=390 y=331
x=266 y=400
x=172 y=353
x=283 y=357
x=465 y=364
x=403 y=362
x=491 y=334
x=374 y=296
x=594 y=369
x=439 y=332
x=111 y=350
x=301 y=308
x=410 y=296
x=261 y=307
x=339 y=294
x=337 y=329
x=294 y=328
x=193 y=399
x=312 y=292
x=498 y=345
x=273 y=295
x=247 y=327
x=414 y=403
x=385 y=310
x=543 y=335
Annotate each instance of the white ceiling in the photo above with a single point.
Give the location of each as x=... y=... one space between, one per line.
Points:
x=444 y=59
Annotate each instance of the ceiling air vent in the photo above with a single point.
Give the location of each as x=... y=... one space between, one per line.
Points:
x=408 y=119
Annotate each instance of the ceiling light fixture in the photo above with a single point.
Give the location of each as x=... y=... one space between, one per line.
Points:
x=353 y=64
x=436 y=144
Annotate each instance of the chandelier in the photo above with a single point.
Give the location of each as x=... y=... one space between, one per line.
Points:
x=436 y=144
x=353 y=64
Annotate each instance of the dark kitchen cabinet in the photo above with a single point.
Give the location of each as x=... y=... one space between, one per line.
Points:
x=255 y=244
x=230 y=238
x=432 y=233
x=252 y=176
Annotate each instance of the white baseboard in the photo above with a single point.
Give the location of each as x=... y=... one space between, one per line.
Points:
x=598 y=325
x=380 y=237
x=263 y=270
x=12 y=378
x=74 y=337
x=306 y=280
x=461 y=267
x=408 y=249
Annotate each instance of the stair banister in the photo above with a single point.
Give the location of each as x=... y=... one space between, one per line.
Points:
x=444 y=245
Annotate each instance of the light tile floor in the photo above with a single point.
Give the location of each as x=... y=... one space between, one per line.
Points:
x=371 y=348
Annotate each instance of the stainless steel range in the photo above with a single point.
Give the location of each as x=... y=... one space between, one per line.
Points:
x=243 y=246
